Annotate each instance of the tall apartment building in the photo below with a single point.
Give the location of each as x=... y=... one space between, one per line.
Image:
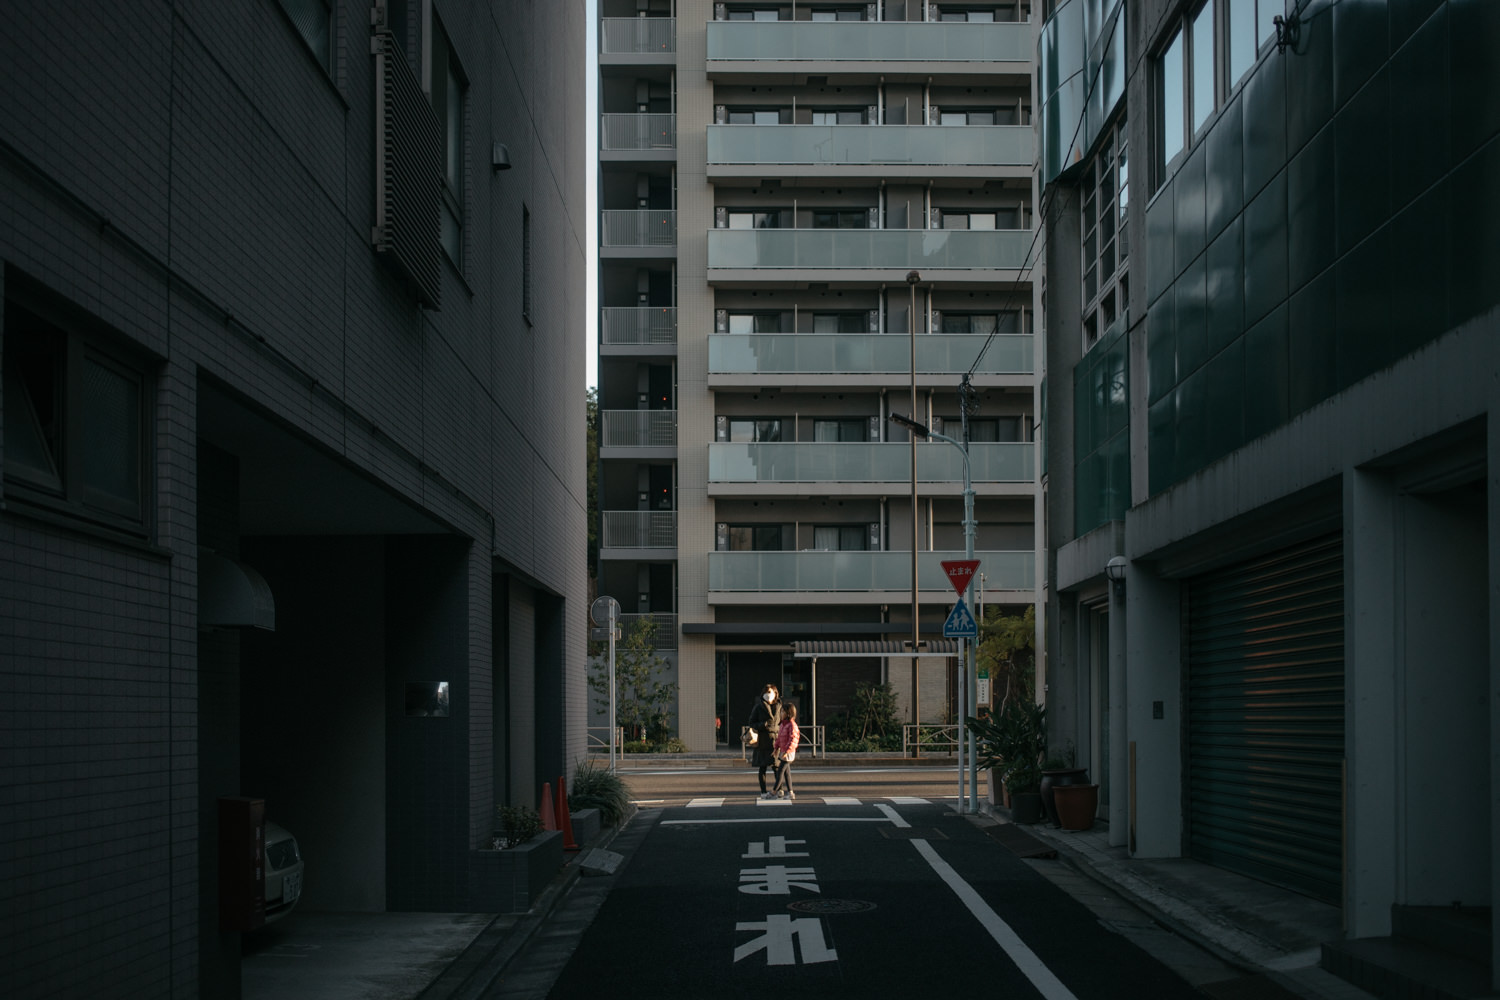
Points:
x=1272 y=408
x=287 y=285
x=770 y=175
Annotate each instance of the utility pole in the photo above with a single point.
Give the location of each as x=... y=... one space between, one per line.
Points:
x=912 y=278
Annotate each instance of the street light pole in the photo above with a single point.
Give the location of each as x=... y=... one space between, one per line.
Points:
x=912 y=278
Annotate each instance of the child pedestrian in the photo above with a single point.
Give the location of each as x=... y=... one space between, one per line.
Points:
x=788 y=736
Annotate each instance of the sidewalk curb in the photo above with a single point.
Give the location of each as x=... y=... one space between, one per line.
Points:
x=487 y=957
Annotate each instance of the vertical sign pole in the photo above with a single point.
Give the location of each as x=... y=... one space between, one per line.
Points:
x=611 y=622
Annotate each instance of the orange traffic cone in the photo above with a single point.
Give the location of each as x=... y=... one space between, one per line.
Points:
x=549 y=821
x=563 y=818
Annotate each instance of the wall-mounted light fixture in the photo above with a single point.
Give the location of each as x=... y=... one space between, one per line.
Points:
x=499 y=157
x=1115 y=569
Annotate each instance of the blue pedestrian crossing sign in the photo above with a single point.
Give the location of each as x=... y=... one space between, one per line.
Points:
x=960 y=624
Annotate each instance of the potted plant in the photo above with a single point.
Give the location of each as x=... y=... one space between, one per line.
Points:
x=1058 y=769
x=1009 y=743
x=1023 y=779
x=1076 y=805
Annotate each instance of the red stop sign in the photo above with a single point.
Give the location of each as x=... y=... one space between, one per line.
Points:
x=960 y=573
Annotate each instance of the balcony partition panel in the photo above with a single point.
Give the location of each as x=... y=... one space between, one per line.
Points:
x=868 y=354
x=666 y=627
x=867 y=462
x=862 y=572
x=638 y=428
x=869 y=249
x=868 y=41
x=638 y=227
x=637 y=35
x=638 y=325
x=844 y=145
x=638 y=131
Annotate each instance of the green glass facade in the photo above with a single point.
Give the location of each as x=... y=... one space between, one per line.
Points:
x=1340 y=212
x=1101 y=435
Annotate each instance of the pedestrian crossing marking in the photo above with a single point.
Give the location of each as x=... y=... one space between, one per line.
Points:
x=717 y=801
x=908 y=800
x=773 y=802
x=705 y=803
x=841 y=800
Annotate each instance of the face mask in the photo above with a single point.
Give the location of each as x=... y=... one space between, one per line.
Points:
x=769 y=696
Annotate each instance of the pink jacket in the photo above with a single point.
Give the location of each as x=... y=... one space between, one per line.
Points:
x=788 y=737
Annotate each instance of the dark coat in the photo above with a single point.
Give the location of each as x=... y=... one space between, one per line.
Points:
x=765 y=720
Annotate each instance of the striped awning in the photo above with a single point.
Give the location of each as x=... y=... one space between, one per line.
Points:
x=883 y=649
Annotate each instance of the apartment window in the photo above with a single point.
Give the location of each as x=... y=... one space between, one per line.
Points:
x=449 y=91
x=755 y=322
x=840 y=322
x=526 y=263
x=740 y=219
x=855 y=14
x=755 y=116
x=1208 y=53
x=841 y=537
x=966 y=116
x=839 y=117
x=313 y=20
x=986 y=16
x=857 y=429
x=1106 y=245
x=759 y=14
x=1008 y=321
x=751 y=431
x=755 y=538
x=75 y=420
x=857 y=218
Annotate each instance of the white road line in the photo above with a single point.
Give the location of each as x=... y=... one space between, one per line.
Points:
x=841 y=800
x=703 y=803
x=909 y=800
x=773 y=802
x=1009 y=941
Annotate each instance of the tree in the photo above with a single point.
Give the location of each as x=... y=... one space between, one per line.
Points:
x=1007 y=646
x=643 y=698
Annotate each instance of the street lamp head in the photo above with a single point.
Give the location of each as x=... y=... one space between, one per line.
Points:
x=1115 y=569
x=919 y=429
x=912 y=277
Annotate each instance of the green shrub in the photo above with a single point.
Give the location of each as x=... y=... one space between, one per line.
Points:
x=673 y=745
x=638 y=746
x=601 y=789
x=518 y=824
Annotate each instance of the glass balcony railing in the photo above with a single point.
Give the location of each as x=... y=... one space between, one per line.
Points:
x=867 y=353
x=868 y=41
x=638 y=227
x=637 y=35
x=869 y=249
x=867 y=462
x=638 y=428
x=623 y=326
x=879 y=145
x=639 y=131
x=860 y=572
x=640 y=529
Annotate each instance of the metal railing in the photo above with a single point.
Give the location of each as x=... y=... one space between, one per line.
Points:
x=866 y=462
x=811 y=743
x=638 y=325
x=868 y=249
x=640 y=529
x=889 y=145
x=637 y=35
x=929 y=738
x=638 y=429
x=638 y=227
x=638 y=131
x=867 y=353
x=666 y=627
x=598 y=739
x=870 y=575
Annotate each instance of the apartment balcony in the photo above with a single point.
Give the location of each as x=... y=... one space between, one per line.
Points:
x=637 y=137
x=625 y=41
x=666 y=627
x=639 y=534
x=855 y=577
x=639 y=232
x=853 y=360
x=643 y=331
x=867 y=468
x=755 y=49
x=950 y=256
x=649 y=434
x=853 y=151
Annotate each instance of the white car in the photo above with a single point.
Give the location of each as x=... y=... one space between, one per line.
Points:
x=283 y=872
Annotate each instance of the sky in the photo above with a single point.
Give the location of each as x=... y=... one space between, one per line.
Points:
x=591 y=144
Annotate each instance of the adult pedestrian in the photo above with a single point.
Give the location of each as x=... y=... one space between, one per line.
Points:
x=788 y=737
x=765 y=721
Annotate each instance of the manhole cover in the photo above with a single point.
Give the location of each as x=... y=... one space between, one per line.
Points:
x=830 y=906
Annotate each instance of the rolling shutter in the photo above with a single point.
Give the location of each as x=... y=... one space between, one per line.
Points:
x=1265 y=718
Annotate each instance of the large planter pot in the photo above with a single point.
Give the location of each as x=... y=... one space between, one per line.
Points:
x=1026 y=807
x=509 y=881
x=1076 y=805
x=1060 y=776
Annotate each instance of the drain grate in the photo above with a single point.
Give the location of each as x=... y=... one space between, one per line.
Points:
x=829 y=906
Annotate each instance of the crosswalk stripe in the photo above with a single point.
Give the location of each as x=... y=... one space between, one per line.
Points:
x=908 y=800
x=841 y=800
x=702 y=803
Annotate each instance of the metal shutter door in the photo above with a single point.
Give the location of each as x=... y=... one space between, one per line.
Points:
x=1265 y=721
